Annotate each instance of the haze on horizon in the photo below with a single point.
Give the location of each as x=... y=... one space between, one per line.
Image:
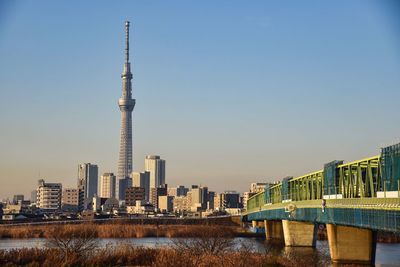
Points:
x=227 y=93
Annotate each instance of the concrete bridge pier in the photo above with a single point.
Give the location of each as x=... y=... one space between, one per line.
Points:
x=255 y=224
x=351 y=244
x=273 y=229
x=299 y=234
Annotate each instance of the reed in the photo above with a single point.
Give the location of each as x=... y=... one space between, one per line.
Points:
x=127 y=255
x=113 y=230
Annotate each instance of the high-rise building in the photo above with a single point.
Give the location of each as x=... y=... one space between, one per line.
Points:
x=107 y=185
x=87 y=180
x=156 y=166
x=49 y=195
x=142 y=179
x=126 y=104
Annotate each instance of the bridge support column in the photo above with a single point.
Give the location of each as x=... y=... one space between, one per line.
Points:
x=273 y=229
x=299 y=234
x=351 y=244
x=255 y=224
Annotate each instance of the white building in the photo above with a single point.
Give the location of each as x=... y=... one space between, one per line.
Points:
x=49 y=195
x=156 y=166
x=107 y=185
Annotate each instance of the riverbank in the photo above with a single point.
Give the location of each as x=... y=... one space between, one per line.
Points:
x=78 y=245
x=117 y=230
x=127 y=230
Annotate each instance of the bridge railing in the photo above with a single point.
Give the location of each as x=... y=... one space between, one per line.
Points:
x=357 y=179
x=256 y=201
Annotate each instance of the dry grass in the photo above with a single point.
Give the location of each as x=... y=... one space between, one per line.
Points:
x=128 y=255
x=112 y=230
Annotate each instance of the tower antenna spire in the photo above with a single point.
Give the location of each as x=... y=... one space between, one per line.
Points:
x=127 y=41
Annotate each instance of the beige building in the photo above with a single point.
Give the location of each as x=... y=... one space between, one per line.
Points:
x=181 y=204
x=12 y=208
x=173 y=191
x=196 y=196
x=218 y=201
x=70 y=199
x=257 y=187
x=165 y=203
x=70 y=196
x=107 y=185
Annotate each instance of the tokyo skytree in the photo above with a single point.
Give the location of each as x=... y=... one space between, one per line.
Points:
x=126 y=105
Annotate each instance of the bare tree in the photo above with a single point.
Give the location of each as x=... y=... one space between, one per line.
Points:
x=212 y=241
x=73 y=244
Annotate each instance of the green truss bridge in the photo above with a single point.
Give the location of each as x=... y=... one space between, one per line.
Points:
x=353 y=200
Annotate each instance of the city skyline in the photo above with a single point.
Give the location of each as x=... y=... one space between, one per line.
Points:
x=245 y=94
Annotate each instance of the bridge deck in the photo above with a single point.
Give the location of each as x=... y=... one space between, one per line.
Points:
x=372 y=213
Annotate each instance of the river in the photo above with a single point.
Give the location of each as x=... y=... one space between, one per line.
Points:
x=386 y=254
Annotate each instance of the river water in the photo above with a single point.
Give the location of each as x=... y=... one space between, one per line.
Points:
x=387 y=255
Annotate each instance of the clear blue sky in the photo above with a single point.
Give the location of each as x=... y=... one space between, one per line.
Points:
x=228 y=92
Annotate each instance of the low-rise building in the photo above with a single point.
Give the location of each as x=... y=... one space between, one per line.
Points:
x=155 y=193
x=228 y=199
x=142 y=179
x=165 y=203
x=181 y=204
x=13 y=209
x=231 y=199
x=133 y=194
x=98 y=203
